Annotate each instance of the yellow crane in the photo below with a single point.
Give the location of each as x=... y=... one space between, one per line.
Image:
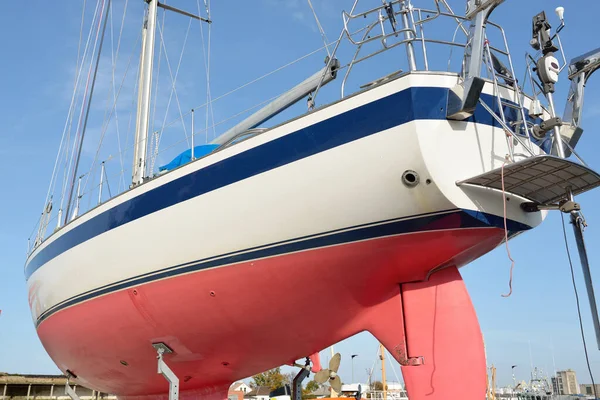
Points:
x=491 y=386
x=383 y=380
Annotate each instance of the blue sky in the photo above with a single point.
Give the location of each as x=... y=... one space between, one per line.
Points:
x=248 y=40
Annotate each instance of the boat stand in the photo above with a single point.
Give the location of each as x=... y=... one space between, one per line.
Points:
x=68 y=390
x=164 y=369
x=297 y=382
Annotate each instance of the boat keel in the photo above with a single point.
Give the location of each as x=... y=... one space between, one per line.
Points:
x=435 y=337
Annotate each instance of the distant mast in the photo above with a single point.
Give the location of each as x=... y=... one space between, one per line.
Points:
x=144 y=94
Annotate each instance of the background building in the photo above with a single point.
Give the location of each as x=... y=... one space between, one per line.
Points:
x=565 y=382
x=259 y=393
x=38 y=387
x=588 y=389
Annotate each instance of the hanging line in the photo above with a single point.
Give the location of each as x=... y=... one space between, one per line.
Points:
x=512 y=262
x=321 y=30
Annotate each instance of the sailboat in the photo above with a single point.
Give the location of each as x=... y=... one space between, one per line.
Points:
x=380 y=197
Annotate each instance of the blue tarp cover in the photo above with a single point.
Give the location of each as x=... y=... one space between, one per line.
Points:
x=186 y=156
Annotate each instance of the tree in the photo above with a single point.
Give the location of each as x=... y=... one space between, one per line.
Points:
x=377 y=385
x=272 y=378
x=288 y=379
x=311 y=386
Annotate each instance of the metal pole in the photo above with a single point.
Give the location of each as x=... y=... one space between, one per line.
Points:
x=87 y=113
x=423 y=42
x=164 y=369
x=282 y=102
x=143 y=116
x=474 y=51
x=71 y=392
x=76 y=211
x=410 y=51
x=577 y=222
x=28 y=391
x=352 y=357
x=297 y=383
x=101 y=183
x=557 y=137
x=192 y=134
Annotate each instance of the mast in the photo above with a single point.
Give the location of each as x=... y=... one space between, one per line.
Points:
x=144 y=94
x=87 y=114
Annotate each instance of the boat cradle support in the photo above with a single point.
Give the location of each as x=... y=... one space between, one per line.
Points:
x=297 y=382
x=163 y=368
x=69 y=391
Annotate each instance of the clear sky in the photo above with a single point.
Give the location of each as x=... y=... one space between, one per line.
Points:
x=538 y=323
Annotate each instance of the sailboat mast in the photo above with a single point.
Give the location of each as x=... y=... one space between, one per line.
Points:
x=144 y=94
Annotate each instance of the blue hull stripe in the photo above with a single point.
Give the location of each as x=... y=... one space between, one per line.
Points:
x=416 y=103
x=451 y=219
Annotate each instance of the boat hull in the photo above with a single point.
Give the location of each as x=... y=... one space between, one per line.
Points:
x=223 y=258
x=228 y=323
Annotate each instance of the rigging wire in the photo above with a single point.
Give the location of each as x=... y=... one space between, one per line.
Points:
x=587 y=358
x=80 y=38
x=116 y=57
x=68 y=162
x=66 y=128
x=105 y=120
x=206 y=55
x=113 y=110
x=392 y=366
x=208 y=93
x=81 y=114
x=251 y=82
x=160 y=51
x=65 y=177
x=87 y=113
x=130 y=133
x=257 y=79
x=69 y=159
x=229 y=118
x=154 y=136
x=321 y=30
x=174 y=81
